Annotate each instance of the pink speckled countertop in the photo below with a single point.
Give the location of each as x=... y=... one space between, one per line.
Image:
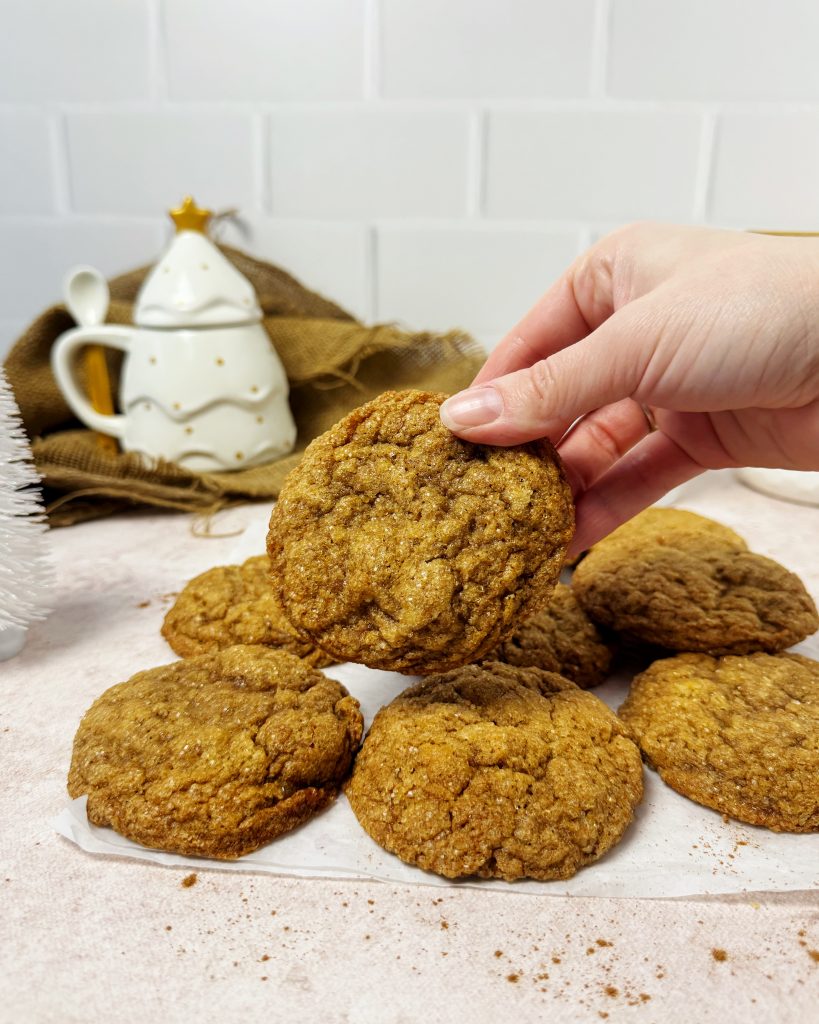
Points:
x=86 y=938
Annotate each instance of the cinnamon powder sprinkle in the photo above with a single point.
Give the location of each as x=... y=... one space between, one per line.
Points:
x=814 y=954
x=189 y=880
x=719 y=954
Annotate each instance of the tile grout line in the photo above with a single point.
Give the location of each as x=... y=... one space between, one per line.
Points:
x=585 y=238
x=371 y=77
x=60 y=163
x=74 y=219
x=424 y=105
x=601 y=37
x=372 y=271
x=262 y=163
x=157 y=54
x=704 y=174
x=476 y=153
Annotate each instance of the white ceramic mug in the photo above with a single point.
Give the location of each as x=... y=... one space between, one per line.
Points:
x=800 y=487
x=207 y=398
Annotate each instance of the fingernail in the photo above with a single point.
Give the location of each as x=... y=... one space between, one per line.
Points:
x=474 y=407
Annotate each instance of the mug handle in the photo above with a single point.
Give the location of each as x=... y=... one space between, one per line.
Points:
x=63 y=355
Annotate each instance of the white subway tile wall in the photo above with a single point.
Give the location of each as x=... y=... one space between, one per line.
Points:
x=369 y=163
x=35 y=256
x=263 y=51
x=431 y=162
x=476 y=276
x=767 y=169
x=26 y=178
x=89 y=50
x=124 y=162
x=330 y=258
x=714 y=50
x=591 y=164
x=433 y=53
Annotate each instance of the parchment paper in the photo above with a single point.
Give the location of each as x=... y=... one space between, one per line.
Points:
x=673 y=848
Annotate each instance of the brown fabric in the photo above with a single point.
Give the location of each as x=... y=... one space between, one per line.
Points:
x=333 y=362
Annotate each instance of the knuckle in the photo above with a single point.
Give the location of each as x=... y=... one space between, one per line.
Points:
x=580 y=477
x=603 y=437
x=543 y=385
x=592 y=280
x=520 y=349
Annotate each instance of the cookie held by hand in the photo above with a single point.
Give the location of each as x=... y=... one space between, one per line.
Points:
x=400 y=546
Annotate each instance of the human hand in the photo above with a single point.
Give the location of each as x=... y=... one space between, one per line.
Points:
x=713 y=335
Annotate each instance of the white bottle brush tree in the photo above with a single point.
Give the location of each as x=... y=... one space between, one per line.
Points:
x=24 y=568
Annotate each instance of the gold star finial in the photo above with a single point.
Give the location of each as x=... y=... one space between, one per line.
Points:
x=188 y=217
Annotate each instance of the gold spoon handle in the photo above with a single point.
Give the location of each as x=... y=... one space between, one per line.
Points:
x=99 y=391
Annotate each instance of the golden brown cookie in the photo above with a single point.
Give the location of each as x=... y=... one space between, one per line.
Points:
x=686 y=583
x=496 y=771
x=216 y=755
x=402 y=547
x=561 y=638
x=655 y=525
x=738 y=734
x=234 y=604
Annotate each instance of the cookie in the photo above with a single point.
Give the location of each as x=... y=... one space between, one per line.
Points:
x=234 y=604
x=216 y=755
x=655 y=524
x=562 y=639
x=402 y=547
x=496 y=771
x=686 y=583
x=738 y=734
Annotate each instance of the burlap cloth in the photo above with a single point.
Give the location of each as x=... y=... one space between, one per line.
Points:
x=333 y=363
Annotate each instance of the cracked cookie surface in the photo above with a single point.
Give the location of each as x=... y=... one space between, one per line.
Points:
x=496 y=771
x=216 y=755
x=686 y=583
x=403 y=547
x=738 y=734
x=562 y=639
x=234 y=604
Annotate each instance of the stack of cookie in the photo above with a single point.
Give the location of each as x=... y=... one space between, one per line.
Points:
x=733 y=722
x=398 y=546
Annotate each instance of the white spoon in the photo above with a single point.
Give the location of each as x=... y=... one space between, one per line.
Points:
x=87 y=296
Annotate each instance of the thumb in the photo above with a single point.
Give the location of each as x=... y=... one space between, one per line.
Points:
x=544 y=399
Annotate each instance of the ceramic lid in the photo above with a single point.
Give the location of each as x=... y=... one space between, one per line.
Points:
x=193 y=284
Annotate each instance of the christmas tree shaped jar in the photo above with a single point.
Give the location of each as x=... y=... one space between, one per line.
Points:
x=201 y=384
